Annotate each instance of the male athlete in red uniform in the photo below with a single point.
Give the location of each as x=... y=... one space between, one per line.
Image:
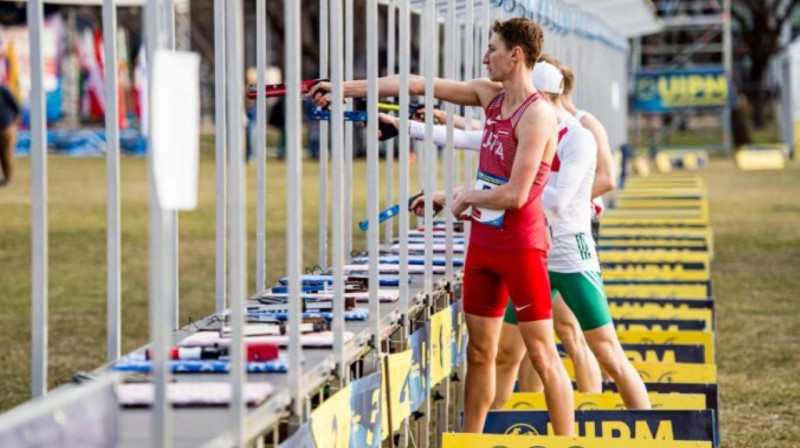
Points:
x=508 y=242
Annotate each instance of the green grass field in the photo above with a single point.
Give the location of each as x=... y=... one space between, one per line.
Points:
x=755 y=218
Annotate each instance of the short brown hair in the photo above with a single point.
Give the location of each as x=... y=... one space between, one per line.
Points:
x=566 y=72
x=523 y=33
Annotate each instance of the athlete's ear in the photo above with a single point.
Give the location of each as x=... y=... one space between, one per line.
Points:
x=516 y=54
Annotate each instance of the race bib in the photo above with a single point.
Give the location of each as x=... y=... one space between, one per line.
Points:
x=488 y=216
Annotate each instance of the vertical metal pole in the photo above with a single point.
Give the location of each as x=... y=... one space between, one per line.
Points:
x=449 y=154
x=469 y=65
x=169 y=20
x=391 y=31
x=431 y=69
x=348 y=129
x=261 y=146
x=172 y=233
x=372 y=174
x=636 y=60
x=322 y=259
x=234 y=68
x=403 y=157
x=430 y=149
x=113 y=313
x=421 y=63
x=727 y=58
x=338 y=189
x=404 y=171
x=160 y=298
x=220 y=139
x=39 y=280
x=451 y=31
x=294 y=189
x=483 y=29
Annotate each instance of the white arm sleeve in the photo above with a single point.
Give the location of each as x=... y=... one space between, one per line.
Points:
x=578 y=157
x=462 y=139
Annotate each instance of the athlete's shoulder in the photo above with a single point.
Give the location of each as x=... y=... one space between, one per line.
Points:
x=486 y=89
x=580 y=138
x=540 y=112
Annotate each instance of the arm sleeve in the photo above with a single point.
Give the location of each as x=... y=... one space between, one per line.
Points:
x=470 y=140
x=576 y=164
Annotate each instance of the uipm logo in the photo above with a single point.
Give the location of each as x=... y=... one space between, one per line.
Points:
x=522 y=429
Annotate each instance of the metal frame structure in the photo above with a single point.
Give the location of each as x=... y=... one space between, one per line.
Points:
x=569 y=29
x=708 y=24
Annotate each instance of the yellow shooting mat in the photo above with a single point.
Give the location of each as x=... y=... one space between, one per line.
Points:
x=694 y=291
x=663 y=193
x=654 y=256
x=675 y=214
x=661 y=325
x=633 y=203
x=661 y=372
x=704 y=233
x=667 y=243
x=610 y=219
x=671 y=177
x=655 y=271
x=463 y=440
x=704 y=338
x=663 y=313
x=608 y=401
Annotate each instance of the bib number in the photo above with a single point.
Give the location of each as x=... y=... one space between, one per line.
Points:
x=488 y=216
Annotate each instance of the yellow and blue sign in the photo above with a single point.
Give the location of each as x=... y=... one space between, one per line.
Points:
x=330 y=422
x=512 y=441
x=366 y=406
x=607 y=401
x=440 y=345
x=665 y=90
x=694 y=425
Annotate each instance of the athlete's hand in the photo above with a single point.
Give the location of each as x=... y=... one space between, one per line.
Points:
x=418 y=204
x=461 y=206
x=388 y=119
x=320 y=94
x=439 y=116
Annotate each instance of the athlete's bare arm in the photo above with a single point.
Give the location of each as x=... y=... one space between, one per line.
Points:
x=604 y=180
x=475 y=92
x=536 y=141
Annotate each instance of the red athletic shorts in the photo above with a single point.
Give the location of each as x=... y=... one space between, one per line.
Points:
x=491 y=276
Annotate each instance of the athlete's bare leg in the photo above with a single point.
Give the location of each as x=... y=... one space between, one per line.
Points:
x=484 y=333
x=510 y=353
x=529 y=380
x=605 y=345
x=540 y=342
x=587 y=371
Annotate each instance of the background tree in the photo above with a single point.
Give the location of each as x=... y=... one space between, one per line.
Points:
x=761 y=23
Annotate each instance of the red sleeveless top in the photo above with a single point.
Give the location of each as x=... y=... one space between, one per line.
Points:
x=524 y=228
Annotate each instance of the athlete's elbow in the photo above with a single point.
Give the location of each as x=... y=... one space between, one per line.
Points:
x=416 y=85
x=558 y=209
x=604 y=184
x=516 y=199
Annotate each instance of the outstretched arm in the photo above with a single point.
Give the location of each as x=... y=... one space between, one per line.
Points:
x=469 y=140
x=476 y=92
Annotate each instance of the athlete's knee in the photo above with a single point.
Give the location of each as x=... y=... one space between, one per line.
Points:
x=570 y=335
x=507 y=357
x=544 y=359
x=481 y=354
x=611 y=358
